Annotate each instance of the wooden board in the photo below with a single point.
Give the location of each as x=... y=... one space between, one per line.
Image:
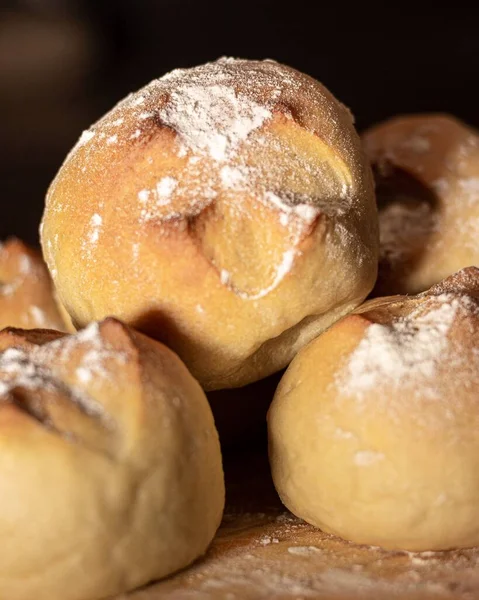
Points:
x=262 y=551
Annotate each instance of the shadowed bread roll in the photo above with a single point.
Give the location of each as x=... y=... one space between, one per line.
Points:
x=427 y=175
x=374 y=429
x=26 y=292
x=227 y=210
x=109 y=461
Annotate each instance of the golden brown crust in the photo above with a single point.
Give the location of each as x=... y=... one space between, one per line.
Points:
x=209 y=210
x=26 y=290
x=427 y=176
x=109 y=459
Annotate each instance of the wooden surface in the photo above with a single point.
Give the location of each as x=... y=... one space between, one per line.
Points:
x=262 y=551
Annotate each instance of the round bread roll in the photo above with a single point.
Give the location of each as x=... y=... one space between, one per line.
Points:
x=374 y=429
x=26 y=291
x=227 y=210
x=427 y=176
x=110 y=463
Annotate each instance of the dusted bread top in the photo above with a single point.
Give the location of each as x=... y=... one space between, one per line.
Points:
x=208 y=197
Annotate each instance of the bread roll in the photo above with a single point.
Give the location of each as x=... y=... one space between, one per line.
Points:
x=109 y=461
x=227 y=210
x=427 y=175
x=374 y=429
x=26 y=291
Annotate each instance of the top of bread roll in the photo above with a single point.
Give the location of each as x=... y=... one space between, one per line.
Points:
x=218 y=198
x=212 y=109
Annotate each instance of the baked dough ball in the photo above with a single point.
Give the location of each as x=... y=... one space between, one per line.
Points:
x=227 y=210
x=26 y=291
x=374 y=429
x=427 y=175
x=109 y=461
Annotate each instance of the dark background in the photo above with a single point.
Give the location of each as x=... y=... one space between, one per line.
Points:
x=63 y=63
